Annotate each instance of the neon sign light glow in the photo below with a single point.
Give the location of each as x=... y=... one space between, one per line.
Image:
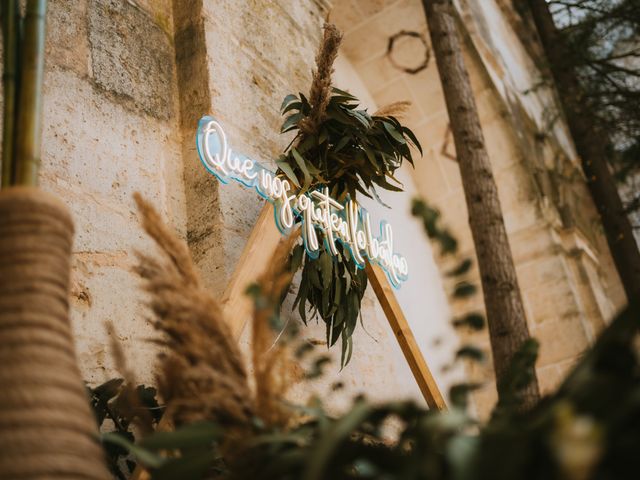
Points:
x=347 y=223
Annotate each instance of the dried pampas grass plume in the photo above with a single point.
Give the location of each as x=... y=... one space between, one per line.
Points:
x=320 y=92
x=395 y=109
x=128 y=400
x=272 y=364
x=202 y=377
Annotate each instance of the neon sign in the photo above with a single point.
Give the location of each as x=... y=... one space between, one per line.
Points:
x=347 y=223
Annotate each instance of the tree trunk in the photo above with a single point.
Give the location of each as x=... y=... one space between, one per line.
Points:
x=503 y=303
x=592 y=145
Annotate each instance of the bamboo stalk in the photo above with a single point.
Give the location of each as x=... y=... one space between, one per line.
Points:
x=29 y=124
x=10 y=39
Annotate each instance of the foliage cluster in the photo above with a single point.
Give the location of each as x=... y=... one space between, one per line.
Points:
x=603 y=40
x=350 y=152
x=115 y=415
x=587 y=429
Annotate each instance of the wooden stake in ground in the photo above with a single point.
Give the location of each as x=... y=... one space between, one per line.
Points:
x=592 y=145
x=503 y=303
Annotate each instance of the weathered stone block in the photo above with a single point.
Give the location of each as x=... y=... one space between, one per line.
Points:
x=67 y=39
x=560 y=340
x=131 y=56
x=97 y=274
x=552 y=301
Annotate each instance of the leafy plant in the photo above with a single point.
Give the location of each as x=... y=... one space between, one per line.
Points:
x=338 y=146
x=587 y=429
x=115 y=415
x=333 y=287
x=601 y=37
x=349 y=152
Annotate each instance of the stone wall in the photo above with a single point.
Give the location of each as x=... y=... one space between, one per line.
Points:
x=110 y=129
x=125 y=84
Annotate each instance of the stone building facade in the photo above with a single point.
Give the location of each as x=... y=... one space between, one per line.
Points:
x=127 y=81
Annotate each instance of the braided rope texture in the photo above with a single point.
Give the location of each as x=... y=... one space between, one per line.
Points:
x=47 y=429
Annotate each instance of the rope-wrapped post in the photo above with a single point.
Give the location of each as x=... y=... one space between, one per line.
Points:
x=47 y=429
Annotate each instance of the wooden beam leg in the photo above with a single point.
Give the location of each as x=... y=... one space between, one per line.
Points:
x=404 y=335
x=258 y=252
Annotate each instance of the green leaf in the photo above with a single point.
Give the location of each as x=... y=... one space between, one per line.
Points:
x=303 y=350
x=288 y=171
x=307 y=143
x=461 y=269
x=342 y=143
x=347 y=348
x=386 y=185
x=296 y=257
x=326 y=268
x=358 y=115
x=447 y=242
x=412 y=137
x=292 y=106
x=313 y=269
x=323 y=137
x=330 y=443
x=144 y=456
x=464 y=289
x=302 y=310
x=318 y=367
x=471 y=353
x=291 y=122
x=390 y=175
x=343 y=93
x=519 y=374
x=287 y=100
x=343 y=100
x=459 y=393
x=377 y=197
x=202 y=434
x=191 y=465
x=397 y=136
x=305 y=171
x=475 y=321
x=254 y=291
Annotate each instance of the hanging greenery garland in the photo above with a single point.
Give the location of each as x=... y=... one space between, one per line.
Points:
x=342 y=147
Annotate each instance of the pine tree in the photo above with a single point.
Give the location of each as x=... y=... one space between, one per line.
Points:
x=506 y=319
x=593 y=141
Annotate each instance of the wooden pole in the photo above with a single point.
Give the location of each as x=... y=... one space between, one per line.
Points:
x=258 y=252
x=404 y=335
x=10 y=36
x=29 y=121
